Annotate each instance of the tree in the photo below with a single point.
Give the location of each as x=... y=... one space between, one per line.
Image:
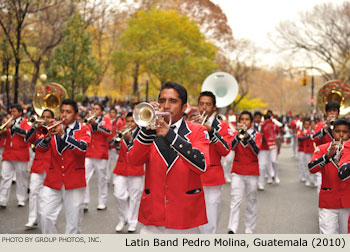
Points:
x=209 y=16
x=73 y=65
x=241 y=65
x=248 y=103
x=166 y=45
x=323 y=35
x=49 y=24
x=13 y=14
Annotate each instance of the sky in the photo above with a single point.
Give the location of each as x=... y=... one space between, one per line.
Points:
x=255 y=19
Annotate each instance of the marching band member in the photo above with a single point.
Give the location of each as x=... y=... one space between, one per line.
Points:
x=97 y=156
x=257 y=121
x=15 y=158
x=323 y=132
x=65 y=179
x=304 y=138
x=112 y=149
x=228 y=159
x=268 y=150
x=127 y=180
x=334 y=197
x=293 y=126
x=38 y=171
x=245 y=173
x=175 y=157
x=220 y=145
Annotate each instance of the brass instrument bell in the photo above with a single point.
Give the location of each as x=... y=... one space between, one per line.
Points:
x=49 y=96
x=334 y=91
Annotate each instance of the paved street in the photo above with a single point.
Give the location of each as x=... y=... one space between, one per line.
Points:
x=287 y=208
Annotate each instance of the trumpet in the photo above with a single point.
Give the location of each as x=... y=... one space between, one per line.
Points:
x=242 y=131
x=87 y=120
x=44 y=130
x=3 y=127
x=331 y=122
x=119 y=136
x=203 y=118
x=339 y=147
x=145 y=115
x=34 y=120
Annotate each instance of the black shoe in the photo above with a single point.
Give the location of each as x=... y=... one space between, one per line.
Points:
x=230 y=232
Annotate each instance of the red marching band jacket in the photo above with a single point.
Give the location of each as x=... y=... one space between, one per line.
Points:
x=269 y=131
x=112 y=144
x=122 y=166
x=2 y=142
x=16 y=149
x=67 y=164
x=246 y=154
x=41 y=160
x=99 y=144
x=321 y=136
x=173 y=196
x=304 y=138
x=220 y=145
x=293 y=126
x=334 y=193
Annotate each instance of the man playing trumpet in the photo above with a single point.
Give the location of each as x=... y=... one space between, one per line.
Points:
x=245 y=173
x=15 y=158
x=65 y=180
x=173 y=199
x=39 y=168
x=97 y=155
x=127 y=179
x=221 y=137
x=334 y=196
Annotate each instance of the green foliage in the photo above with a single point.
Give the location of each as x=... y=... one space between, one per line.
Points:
x=73 y=65
x=168 y=46
x=248 y=103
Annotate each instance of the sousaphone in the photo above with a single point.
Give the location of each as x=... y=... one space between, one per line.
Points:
x=224 y=86
x=334 y=91
x=49 y=96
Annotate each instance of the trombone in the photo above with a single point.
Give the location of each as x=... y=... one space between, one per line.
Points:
x=3 y=127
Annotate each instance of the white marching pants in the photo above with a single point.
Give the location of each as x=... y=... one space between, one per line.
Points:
x=334 y=221
x=212 y=195
x=302 y=170
x=294 y=145
x=226 y=162
x=9 y=168
x=243 y=184
x=309 y=177
x=145 y=229
x=112 y=161
x=266 y=159
x=51 y=201
x=36 y=184
x=100 y=166
x=127 y=192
